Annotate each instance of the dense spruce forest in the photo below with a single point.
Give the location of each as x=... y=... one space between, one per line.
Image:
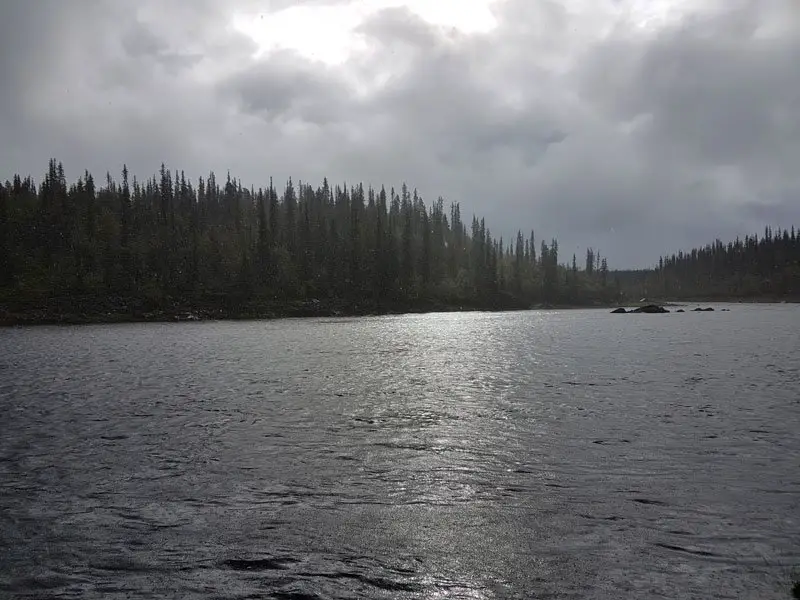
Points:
x=765 y=268
x=166 y=246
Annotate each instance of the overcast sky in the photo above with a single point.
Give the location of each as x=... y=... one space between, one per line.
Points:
x=634 y=126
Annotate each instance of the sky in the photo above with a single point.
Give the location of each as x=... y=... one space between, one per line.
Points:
x=636 y=127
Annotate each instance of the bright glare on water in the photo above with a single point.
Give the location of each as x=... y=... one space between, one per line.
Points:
x=563 y=454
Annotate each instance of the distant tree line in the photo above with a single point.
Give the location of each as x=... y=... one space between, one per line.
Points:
x=167 y=241
x=757 y=267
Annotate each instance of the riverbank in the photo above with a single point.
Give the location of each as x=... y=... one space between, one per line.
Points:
x=92 y=310
x=79 y=311
x=44 y=317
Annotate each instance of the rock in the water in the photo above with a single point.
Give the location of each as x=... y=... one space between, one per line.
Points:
x=709 y=309
x=619 y=311
x=680 y=310
x=650 y=309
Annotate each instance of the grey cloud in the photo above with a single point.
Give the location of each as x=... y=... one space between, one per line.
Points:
x=713 y=88
x=717 y=97
x=635 y=142
x=140 y=42
x=399 y=25
x=288 y=86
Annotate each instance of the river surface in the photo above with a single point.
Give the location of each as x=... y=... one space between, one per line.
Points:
x=551 y=454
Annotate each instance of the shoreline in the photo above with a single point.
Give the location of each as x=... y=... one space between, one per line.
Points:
x=119 y=313
x=32 y=318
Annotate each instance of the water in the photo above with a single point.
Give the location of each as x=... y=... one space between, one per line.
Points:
x=565 y=454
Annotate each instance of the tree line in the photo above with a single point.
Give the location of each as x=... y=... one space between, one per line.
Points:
x=167 y=241
x=765 y=267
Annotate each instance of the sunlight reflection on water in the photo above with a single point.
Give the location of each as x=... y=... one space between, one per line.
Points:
x=473 y=455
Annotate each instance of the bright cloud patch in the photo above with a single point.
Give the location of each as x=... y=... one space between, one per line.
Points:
x=328 y=33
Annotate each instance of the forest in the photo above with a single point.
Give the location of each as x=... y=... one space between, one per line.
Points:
x=763 y=268
x=169 y=247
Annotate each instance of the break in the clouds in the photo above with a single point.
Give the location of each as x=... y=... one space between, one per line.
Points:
x=634 y=127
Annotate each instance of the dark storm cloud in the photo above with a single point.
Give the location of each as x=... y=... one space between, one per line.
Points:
x=634 y=141
x=712 y=107
x=715 y=90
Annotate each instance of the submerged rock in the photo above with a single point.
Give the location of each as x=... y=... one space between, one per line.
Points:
x=680 y=310
x=650 y=309
x=619 y=311
x=709 y=309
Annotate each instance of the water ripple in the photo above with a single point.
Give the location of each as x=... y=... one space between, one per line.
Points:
x=558 y=454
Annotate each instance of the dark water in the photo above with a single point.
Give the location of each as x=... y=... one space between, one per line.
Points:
x=571 y=454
